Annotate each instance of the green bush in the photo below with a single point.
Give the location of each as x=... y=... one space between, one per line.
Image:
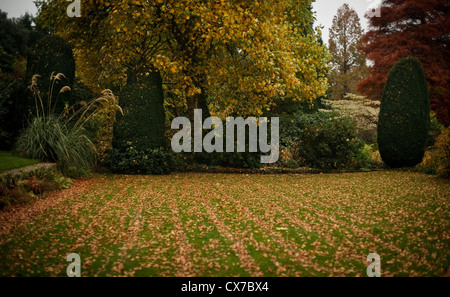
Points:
x=404 y=115
x=289 y=106
x=143 y=121
x=150 y=161
x=443 y=154
x=7 y=86
x=320 y=140
x=241 y=160
x=364 y=158
x=429 y=162
x=231 y=160
x=436 y=129
x=291 y=164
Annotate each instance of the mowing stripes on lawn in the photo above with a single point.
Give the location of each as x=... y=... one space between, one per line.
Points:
x=234 y=225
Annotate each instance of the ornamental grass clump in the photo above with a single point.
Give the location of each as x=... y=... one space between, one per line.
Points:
x=62 y=138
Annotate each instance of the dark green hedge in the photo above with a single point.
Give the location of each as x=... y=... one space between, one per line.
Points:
x=149 y=161
x=142 y=124
x=405 y=115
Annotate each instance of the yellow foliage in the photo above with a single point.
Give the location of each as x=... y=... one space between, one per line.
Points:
x=242 y=53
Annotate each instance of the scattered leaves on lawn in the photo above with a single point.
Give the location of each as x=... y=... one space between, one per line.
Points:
x=234 y=225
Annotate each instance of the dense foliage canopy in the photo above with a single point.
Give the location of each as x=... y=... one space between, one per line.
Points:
x=241 y=53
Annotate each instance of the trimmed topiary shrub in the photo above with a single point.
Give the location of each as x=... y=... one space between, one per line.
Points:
x=52 y=54
x=405 y=115
x=142 y=124
x=139 y=133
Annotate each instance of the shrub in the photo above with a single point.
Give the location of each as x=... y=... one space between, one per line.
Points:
x=143 y=121
x=239 y=160
x=290 y=163
x=12 y=196
x=429 y=162
x=7 y=83
x=192 y=161
x=27 y=186
x=289 y=106
x=81 y=92
x=443 y=154
x=366 y=158
x=436 y=129
x=364 y=112
x=6 y=61
x=149 y=161
x=405 y=115
x=320 y=140
x=376 y=157
x=246 y=160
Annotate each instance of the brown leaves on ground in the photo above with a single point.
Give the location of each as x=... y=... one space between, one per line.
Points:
x=234 y=225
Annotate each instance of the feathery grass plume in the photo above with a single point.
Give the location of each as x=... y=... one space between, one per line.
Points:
x=62 y=138
x=89 y=110
x=35 y=91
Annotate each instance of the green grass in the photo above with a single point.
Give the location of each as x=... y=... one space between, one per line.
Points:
x=9 y=161
x=235 y=225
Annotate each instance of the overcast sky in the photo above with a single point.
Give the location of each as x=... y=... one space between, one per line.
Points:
x=325 y=9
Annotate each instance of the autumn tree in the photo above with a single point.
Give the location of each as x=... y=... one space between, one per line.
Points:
x=348 y=63
x=411 y=28
x=243 y=52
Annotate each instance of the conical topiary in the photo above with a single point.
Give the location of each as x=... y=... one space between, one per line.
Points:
x=405 y=115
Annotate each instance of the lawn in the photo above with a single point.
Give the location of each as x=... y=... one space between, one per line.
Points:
x=9 y=161
x=234 y=225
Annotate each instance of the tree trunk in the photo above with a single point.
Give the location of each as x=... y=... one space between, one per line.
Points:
x=198 y=101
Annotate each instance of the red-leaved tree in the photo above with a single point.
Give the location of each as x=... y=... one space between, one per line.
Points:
x=411 y=28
